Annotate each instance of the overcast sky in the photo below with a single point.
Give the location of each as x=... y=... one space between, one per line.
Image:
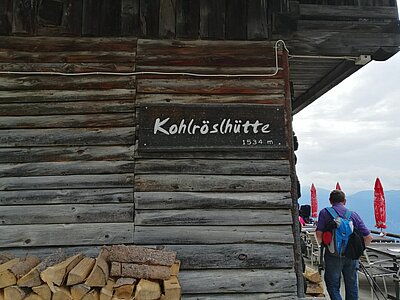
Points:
x=352 y=133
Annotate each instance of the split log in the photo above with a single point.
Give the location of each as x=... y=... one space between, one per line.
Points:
x=107 y=291
x=123 y=288
x=314 y=288
x=10 y=275
x=79 y=291
x=14 y=293
x=99 y=275
x=4 y=271
x=92 y=295
x=175 y=268
x=141 y=255
x=33 y=296
x=57 y=273
x=5 y=257
x=79 y=273
x=62 y=293
x=147 y=290
x=32 y=278
x=312 y=275
x=139 y=271
x=43 y=291
x=172 y=288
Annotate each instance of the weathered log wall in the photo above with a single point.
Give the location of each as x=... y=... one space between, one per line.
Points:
x=71 y=174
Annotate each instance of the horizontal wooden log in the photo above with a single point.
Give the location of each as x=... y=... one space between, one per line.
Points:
x=345 y=26
x=140 y=255
x=148 y=48
x=68 y=56
x=68 y=137
x=66 y=196
x=347 y=11
x=139 y=271
x=215 y=183
x=67 y=67
x=62 y=182
x=210 y=86
x=341 y=43
x=235 y=256
x=48 y=154
x=186 y=65
x=274 y=99
x=66 y=168
x=70 y=121
x=102 y=82
x=192 y=200
x=49 y=44
x=207 y=166
x=67 y=214
x=276 y=154
x=213 y=217
x=45 y=251
x=66 y=234
x=54 y=96
x=240 y=281
x=155 y=235
x=79 y=108
x=241 y=296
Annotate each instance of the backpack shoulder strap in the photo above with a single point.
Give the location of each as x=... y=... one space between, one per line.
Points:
x=347 y=214
x=332 y=212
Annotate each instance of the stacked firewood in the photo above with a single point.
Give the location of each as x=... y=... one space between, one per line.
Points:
x=315 y=286
x=118 y=272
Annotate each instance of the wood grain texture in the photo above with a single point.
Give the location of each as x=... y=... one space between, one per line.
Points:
x=48 y=154
x=241 y=296
x=215 y=183
x=67 y=137
x=69 y=121
x=66 y=168
x=240 y=281
x=193 y=200
x=65 y=234
x=66 y=214
x=54 y=96
x=145 y=99
x=234 y=256
x=210 y=86
x=212 y=19
x=167 y=27
x=101 y=82
x=155 y=235
x=67 y=196
x=72 y=109
x=212 y=217
x=212 y=167
x=62 y=182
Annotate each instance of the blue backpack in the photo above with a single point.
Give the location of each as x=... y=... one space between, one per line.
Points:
x=341 y=233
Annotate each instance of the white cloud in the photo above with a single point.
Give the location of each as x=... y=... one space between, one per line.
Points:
x=352 y=133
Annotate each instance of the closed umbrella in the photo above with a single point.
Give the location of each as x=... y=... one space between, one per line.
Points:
x=379 y=205
x=314 y=202
x=338 y=186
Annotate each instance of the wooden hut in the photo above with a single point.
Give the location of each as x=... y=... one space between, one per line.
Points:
x=180 y=136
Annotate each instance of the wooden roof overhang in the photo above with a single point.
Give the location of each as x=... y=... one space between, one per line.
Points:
x=311 y=29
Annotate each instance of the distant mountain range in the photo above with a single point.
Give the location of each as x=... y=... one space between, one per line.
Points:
x=363 y=203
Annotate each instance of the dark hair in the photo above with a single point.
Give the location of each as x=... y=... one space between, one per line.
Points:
x=337 y=196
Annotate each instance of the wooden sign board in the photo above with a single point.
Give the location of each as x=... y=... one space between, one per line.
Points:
x=211 y=127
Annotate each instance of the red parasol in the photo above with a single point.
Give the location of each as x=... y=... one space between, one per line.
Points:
x=338 y=186
x=314 y=202
x=379 y=205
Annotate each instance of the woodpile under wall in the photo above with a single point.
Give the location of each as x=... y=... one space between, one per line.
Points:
x=118 y=272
